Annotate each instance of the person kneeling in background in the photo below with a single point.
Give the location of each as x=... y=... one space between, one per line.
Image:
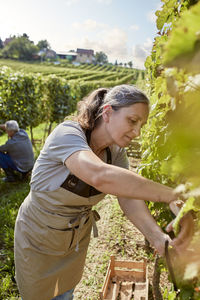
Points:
x=17 y=153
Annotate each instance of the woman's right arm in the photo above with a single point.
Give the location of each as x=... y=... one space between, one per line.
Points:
x=117 y=181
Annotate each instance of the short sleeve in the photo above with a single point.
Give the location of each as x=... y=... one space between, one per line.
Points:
x=64 y=141
x=49 y=170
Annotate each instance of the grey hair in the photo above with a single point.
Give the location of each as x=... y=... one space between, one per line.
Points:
x=122 y=96
x=90 y=109
x=12 y=125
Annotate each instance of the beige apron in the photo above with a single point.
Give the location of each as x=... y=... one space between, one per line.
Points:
x=52 y=234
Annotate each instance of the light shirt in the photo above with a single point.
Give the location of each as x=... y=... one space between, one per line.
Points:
x=49 y=171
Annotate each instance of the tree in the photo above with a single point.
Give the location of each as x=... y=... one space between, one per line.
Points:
x=25 y=36
x=1 y=43
x=20 y=48
x=101 y=58
x=130 y=64
x=43 y=44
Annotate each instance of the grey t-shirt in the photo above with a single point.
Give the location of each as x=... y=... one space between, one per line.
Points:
x=49 y=171
x=20 y=150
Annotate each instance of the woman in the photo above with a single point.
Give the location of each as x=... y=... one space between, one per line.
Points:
x=80 y=163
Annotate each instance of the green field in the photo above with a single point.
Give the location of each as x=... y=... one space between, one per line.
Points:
x=69 y=71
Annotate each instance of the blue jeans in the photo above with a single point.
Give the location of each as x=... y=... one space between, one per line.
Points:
x=6 y=162
x=66 y=296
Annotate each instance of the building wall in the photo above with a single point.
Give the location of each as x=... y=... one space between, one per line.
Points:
x=84 y=58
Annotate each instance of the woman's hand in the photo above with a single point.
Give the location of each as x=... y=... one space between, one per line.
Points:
x=175 y=206
x=181 y=242
x=159 y=244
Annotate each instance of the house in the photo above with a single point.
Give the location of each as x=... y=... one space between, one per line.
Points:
x=80 y=56
x=46 y=54
x=85 y=56
x=71 y=56
x=51 y=54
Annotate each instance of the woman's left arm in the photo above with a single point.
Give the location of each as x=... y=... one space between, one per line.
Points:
x=138 y=213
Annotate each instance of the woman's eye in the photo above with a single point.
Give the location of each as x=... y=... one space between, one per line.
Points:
x=133 y=121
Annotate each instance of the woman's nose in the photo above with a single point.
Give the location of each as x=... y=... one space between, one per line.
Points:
x=136 y=131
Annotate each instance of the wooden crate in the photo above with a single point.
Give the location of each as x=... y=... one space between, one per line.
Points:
x=125 y=280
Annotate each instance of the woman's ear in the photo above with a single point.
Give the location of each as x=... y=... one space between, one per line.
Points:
x=107 y=110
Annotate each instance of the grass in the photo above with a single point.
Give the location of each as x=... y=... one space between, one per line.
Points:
x=11 y=196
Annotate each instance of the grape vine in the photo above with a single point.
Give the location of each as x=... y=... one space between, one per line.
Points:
x=171 y=140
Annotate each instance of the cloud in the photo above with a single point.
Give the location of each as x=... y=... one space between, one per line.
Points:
x=151 y=16
x=140 y=53
x=134 y=27
x=112 y=41
x=148 y=44
x=71 y=2
x=101 y=37
x=105 y=1
x=115 y=43
x=88 y=25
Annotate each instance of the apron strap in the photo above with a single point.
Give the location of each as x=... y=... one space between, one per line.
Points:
x=83 y=219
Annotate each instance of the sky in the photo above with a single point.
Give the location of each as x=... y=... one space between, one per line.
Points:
x=123 y=29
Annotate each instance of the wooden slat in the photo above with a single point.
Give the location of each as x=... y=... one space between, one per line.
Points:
x=112 y=265
x=110 y=290
x=147 y=289
x=126 y=291
x=147 y=283
x=130 y=264
x=105 y=285
x=133 y=275
x=116 y=288
x=140 y=291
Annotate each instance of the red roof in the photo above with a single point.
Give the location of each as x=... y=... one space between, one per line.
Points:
x=85 y=51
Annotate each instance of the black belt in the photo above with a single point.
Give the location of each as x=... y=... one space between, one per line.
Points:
x=79 y=187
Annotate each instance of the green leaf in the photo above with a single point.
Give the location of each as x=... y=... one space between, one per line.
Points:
x=189 y=205
x=183 y=46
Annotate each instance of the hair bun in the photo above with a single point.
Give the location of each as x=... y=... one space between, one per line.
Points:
x=101 y=92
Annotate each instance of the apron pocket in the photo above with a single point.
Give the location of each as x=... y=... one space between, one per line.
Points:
x=66 y=239
x=59 y=241
x=56 y=234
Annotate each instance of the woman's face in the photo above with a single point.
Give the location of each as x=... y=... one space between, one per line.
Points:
x=125 y=124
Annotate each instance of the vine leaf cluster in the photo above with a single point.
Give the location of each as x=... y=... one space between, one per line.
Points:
x=171 y=139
